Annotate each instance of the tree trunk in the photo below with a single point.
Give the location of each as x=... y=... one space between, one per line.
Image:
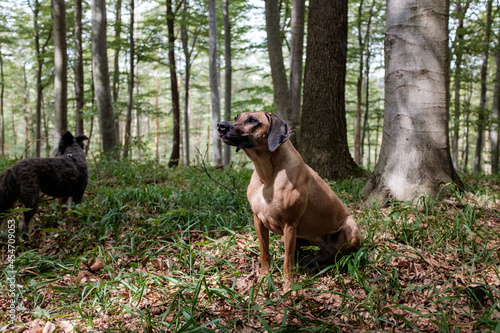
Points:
x=458 y=78
x=101 y=77
x=214 y=81
x=157 y=105
x=365 y=129
x=296 y=55
x=116 y=59
x=2 y=89
x=187 y=80
x=39 y=88
x=130 y=96
x=26 y=113
x=282 y=97
x=415 y=155
x=39 y=50
x=228 y=73
x=482 y=118
x=175 y=156
x=46 y=132
x=79 y=88
x=60 y=70
x=495 y=117
x=92 y=107
x=138 y=115
x=324 y=131
x=359 y=90
x=465 y=151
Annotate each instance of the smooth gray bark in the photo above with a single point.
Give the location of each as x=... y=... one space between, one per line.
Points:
x=214 y=81
x=415 y=156
x=60 y=70
x=101 y=77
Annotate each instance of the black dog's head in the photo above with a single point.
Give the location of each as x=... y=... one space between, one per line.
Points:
x=254 y=129
x=70 y=144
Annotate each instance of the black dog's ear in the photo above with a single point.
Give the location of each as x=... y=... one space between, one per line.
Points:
x=79 y=140
x=278 y=133
x=67 y=138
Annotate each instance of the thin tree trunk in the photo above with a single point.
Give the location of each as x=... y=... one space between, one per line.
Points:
x=101 y=78
x=465 y=151
x=458 y=78
x=46 y=132
x=228 y=73
x=91 y=131
x=187 y=80
x=39 y=50
x=2 y=89
x=157 y=105
x=26 y=112
x=481 y=122
x=14 y=131
x=79 y=88
x=296 y=55
x=138 y=115
x=60 y=69
x=359 y=88
x=175 y=156
x=282 y=97
x=116 y=58
x=39 y=88
x=365 y=130
x=214 y=81
x=495 y=116
x=377 y=136
x=130 y=96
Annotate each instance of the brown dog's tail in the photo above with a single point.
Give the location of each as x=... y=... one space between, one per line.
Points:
x=9 y=190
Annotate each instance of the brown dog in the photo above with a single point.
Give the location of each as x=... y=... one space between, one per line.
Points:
x=287 y=196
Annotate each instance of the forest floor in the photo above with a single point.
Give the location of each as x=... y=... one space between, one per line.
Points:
x=156 y=250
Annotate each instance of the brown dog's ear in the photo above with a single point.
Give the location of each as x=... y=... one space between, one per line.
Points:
x=278 y=133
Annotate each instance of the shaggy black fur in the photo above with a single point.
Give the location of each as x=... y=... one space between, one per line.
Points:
x=64 y=177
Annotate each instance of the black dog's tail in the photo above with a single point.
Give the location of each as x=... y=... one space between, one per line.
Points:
x=9 y=190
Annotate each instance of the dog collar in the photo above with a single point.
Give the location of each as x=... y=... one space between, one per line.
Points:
x=72 y=158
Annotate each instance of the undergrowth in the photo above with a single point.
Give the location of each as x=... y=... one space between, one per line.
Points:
x=153 y=249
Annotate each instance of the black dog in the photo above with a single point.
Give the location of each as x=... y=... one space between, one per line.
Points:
x=64 y=177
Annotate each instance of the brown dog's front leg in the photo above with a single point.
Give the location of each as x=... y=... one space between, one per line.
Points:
x=263 y=234
x=289 y=240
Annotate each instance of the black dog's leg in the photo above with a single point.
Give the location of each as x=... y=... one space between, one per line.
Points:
x=78 y=196
x=29 y=198
x=27 y=216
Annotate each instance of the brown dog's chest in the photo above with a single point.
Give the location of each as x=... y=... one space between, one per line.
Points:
x=267 y=213
x=275 y=205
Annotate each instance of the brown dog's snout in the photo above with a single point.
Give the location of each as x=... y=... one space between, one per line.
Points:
x=223 y=127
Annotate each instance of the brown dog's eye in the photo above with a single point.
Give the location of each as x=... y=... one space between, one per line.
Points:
x=252 y=120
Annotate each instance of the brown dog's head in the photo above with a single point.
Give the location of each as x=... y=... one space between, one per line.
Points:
x=254 y=129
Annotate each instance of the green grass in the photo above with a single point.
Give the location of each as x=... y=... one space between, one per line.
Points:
x=179 y=254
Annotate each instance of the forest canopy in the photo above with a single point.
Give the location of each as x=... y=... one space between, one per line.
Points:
x=141 y=49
